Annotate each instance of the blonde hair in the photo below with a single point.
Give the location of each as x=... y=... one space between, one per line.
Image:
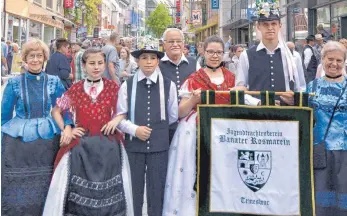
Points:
x=34 y=44
x=128 y=55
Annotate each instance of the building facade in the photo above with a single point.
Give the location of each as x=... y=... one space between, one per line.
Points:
x=304 y=16
x=43 y=19
x=236 y=21
x=209 y=19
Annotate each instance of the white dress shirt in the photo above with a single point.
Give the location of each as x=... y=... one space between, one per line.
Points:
x=122 y=106
x=99 y=87
x=243 y=68
x=298 y=62
x=183 y=58
x=308 y=54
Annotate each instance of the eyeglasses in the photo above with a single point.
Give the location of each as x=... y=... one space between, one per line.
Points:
x=172 y=42
x=33 y=56
x=212 y=52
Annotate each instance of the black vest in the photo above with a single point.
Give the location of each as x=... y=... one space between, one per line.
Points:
x=178 y=74
x=312 y=65
x=147 y=113
x=265 y=71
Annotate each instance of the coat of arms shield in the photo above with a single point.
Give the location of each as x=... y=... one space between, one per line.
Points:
x=254 y=168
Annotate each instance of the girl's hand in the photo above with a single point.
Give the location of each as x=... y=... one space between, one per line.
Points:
x=66 y=136
x=110 y=127
x=77 y=132
x=196 y=96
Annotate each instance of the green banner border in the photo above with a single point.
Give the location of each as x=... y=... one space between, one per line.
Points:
x=302 y=114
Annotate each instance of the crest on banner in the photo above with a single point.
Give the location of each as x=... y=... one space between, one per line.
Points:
x=254 y=168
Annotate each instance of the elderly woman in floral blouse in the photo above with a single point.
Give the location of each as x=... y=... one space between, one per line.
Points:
x=330 y=133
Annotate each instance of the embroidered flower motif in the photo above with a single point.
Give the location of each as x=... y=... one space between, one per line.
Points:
x=266 y=8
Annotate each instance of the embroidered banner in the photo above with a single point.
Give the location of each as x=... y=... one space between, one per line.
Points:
x=254 y=161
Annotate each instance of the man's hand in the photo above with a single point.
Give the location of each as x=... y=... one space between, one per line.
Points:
x=288 y=98
x=124 y=74
x=143 y=133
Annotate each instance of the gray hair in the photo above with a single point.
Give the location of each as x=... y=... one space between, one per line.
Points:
x=332 y=46
x=15 y=45
x=173 y=29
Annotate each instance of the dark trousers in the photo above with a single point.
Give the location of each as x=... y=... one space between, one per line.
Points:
x=156 y=163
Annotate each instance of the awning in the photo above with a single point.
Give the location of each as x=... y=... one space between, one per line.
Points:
x=36 y=13
x=200 y=29
x=63 y=19
x=39 y=14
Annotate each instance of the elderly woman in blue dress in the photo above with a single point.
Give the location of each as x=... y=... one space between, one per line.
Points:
x=29 y=144
x=330 y=139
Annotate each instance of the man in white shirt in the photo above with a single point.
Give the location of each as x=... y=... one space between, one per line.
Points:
x=310 y=60
x=298 y=61
x=174 y=65
x=149 y=99
x=270 y=65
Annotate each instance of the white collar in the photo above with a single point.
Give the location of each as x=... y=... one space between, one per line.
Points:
x=153 y=77
x=183 y=58
x=262 y=46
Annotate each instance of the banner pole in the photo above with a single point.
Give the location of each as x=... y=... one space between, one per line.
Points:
x=181 y=93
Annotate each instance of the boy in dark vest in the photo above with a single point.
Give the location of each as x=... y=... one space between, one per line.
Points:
x=150 y=101
x=270 y=66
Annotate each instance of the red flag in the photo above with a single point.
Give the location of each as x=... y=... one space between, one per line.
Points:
x=68 y=3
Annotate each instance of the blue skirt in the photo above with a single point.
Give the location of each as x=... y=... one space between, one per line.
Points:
x=331 y=185
x=27 y=169
x=95 y=183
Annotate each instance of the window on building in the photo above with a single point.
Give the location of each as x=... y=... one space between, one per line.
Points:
x=59 y=6
x=38 y=1
x=49 y=4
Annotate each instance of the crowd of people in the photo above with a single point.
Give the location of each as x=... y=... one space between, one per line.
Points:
x=94 y=126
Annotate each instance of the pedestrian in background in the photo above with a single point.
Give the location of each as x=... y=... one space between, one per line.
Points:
x=127 y=65
x=112 y=70
x=186 y=50
x=59 y=65
x=79 y=73
x=235 y=59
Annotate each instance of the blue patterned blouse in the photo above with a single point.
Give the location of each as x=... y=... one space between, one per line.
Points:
x=31 y=97
x=323 y=104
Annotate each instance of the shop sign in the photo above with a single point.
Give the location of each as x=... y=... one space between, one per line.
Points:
x=215 y=4
x=178 y=11
x=46 y=20
x=82 y=32
x=68 y=3
x=196 y=17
